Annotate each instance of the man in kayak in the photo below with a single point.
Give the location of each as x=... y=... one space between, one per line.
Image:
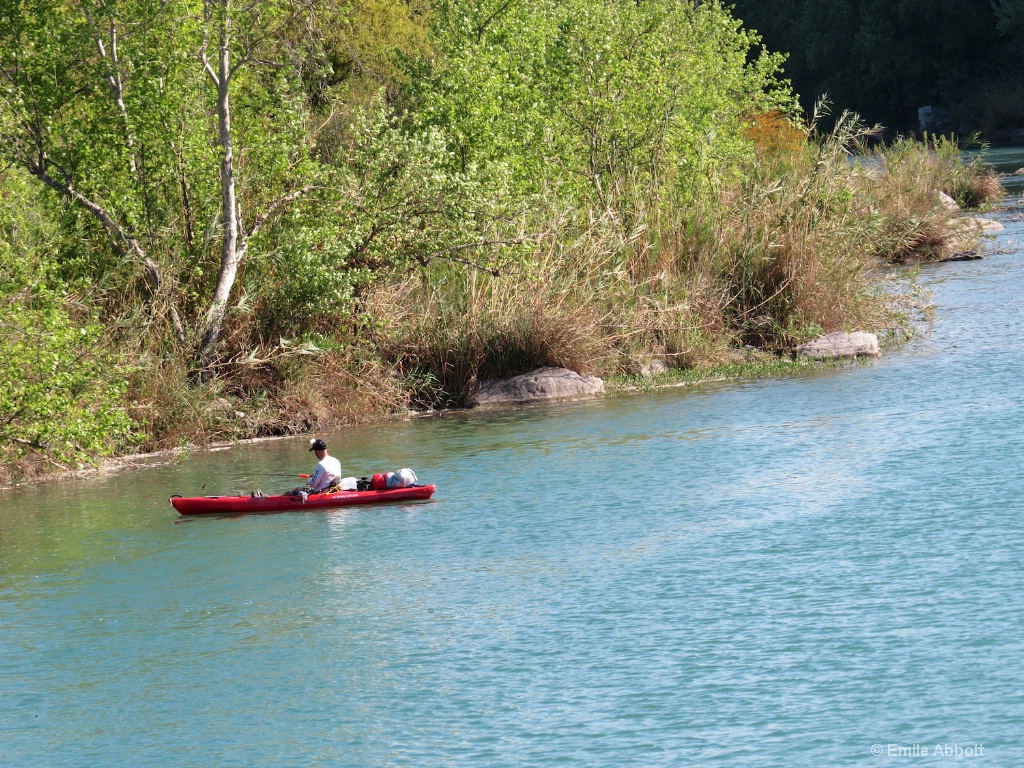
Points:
x=326 y=474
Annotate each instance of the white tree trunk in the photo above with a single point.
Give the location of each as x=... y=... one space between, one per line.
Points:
x=235 y=238
x=231 y=252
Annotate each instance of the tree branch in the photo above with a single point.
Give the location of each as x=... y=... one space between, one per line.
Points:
x=202 y=49
x=486 y=22
x=123 y=241
x=29 y=443
x=273 y=206
x=206 y=66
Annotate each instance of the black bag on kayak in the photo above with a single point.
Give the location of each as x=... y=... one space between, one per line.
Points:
x=364 y=484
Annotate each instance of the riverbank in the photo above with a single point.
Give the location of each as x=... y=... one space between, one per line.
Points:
x=621 y=385
x=797 y=245
x=749 y=364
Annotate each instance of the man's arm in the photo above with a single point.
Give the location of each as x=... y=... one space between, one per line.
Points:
x=315 y=477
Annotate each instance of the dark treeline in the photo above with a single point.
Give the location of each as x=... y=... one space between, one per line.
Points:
x=886 y=58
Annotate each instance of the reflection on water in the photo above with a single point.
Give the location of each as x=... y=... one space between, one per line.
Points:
x=755 y=573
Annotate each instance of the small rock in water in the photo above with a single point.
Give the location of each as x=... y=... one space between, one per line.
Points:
x=964 y=256
x=985 y=225
x=842 y=345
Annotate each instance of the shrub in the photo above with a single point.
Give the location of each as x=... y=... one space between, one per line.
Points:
x=63 y=390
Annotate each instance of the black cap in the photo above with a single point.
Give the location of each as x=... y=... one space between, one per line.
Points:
x=317 y=445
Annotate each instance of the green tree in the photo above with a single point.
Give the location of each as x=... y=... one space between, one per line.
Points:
x=78 y=127
x=596 y=97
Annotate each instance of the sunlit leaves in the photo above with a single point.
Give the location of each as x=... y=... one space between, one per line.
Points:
x=602 y=95
x=60 y=391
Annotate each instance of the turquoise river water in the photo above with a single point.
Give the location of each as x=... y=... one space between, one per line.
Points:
x=813 y=571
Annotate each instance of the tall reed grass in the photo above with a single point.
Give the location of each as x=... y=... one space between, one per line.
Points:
x=793 y=250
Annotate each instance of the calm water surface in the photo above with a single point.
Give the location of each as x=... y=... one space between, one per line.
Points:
x=766 y=573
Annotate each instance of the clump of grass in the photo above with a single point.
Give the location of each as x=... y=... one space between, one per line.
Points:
x=974 y=185
x=913 y=224
x=276 y=394
x=173 y=411
x=334 y=389
x=449 y=327
x=793 y=247
x=940 y=161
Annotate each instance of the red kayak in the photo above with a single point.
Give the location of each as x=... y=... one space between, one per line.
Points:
x=212 y=505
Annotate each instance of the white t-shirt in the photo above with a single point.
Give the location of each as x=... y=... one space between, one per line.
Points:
x=328 y=470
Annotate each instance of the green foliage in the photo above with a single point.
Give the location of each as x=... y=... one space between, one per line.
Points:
x=365 y=41
x=425 y=196
x=398 y=200
x=58 y=396
x=597 y=98
x=67 y=124
x=62 y=392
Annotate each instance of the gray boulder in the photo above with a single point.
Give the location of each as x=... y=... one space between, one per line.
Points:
x=947 y=202
x=541 y=384
x=839 y=344
x=985 y=225
x=933 y=120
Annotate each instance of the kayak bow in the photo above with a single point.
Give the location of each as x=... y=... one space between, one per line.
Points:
x=211 y=505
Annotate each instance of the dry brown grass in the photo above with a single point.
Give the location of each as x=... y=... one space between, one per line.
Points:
x=337 y=390
x=913 y=225
x=277 y=396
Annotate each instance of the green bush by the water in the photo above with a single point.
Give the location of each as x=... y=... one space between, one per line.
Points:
x=62 y=382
